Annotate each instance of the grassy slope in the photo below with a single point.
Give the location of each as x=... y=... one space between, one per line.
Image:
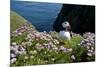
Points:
x=16 y=20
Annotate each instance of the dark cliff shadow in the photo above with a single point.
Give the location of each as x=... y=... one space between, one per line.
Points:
x=81 y=18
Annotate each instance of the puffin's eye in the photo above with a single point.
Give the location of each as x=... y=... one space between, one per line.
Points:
x=65 y=23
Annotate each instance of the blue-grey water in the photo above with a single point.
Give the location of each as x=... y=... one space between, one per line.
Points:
x=41 y=15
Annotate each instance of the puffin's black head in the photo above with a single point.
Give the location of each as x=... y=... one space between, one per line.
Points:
x=61 y=25
x=66 y=26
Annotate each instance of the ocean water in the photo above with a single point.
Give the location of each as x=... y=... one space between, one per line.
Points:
x=41 y=15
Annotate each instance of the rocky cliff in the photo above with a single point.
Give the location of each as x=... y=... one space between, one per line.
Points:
x=81 y=18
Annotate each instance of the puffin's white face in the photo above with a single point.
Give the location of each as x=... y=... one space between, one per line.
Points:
x=65 y=24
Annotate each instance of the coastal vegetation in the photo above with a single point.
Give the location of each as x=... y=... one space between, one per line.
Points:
x=30 y=47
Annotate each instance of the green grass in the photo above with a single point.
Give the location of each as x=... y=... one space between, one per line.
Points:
x=16 y=21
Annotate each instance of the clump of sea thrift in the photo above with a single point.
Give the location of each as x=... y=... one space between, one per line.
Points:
x=89 y=43
x=43 y=48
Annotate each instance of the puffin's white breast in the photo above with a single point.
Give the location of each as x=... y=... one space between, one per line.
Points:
x=64 y=34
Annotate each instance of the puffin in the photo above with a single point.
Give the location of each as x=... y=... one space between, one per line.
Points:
x=65 y=33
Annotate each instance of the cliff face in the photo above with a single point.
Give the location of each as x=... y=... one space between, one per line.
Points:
x=81 y=18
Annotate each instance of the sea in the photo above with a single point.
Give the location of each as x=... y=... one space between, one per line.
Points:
x=40 y=14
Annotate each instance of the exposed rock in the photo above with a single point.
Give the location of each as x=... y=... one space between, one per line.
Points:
x=81 y=18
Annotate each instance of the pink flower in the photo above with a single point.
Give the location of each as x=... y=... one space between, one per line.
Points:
x=13 y=60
